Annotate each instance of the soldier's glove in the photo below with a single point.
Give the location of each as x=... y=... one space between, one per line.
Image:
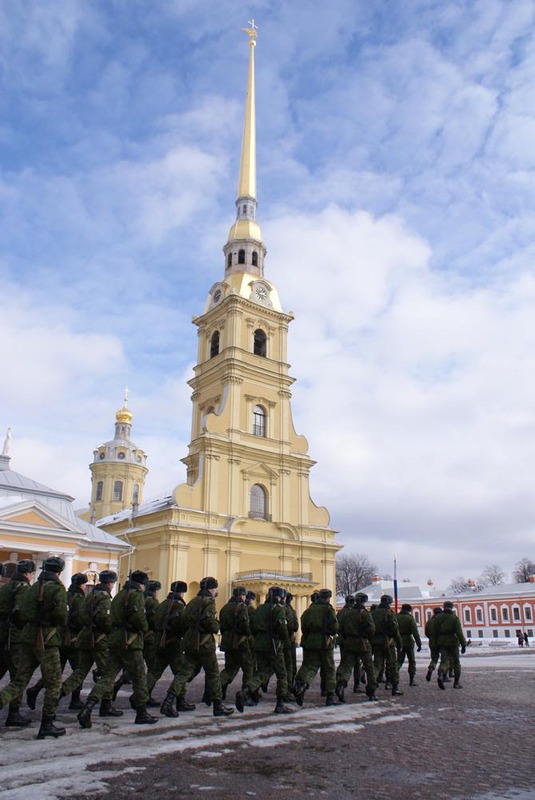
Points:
x=463 y=649
x=419 y=648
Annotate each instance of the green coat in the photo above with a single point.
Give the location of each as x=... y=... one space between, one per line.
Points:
x=356 y=628
x=43 y=612
x=151 y=606
x=235 y=628
x=408 y=629
x=169 y=621
x=201 y=620
x=96 y=620
x=75 y=601
x=386 y=626
x=269 y=627
x=448 y=630
x=10 y=623
x=128 y=619
x=430 y=628
x=292 y=623
x=319 y=626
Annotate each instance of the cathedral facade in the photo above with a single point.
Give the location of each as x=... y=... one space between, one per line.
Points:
x=244 y=514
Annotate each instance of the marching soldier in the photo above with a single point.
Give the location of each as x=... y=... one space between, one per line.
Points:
x=10 y=633
x=386 y=642
x=129 y=625
x=199 y=648
x=92 y=641
x=170 y=627
x=151 y=606
x=43 y=612
x=270 y=631
x=356 y=628
x=290 y=646
x=319 y=626
x=408 y=630
x=235 y=635
x=433 y=647
x=449 y=635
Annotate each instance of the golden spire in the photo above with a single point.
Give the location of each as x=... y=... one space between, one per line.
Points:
x=247 y=181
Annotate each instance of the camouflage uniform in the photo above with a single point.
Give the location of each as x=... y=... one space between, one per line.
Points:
x=43 y=612
x=408 y=630
x=151 y=606
x=169 y=627
x=356 y=628
x=235 y=634
x=199 y=646
x=319 y=626
x=290 y=656
x=10 y=633
x=92 y=640
x=434 y=649
x=271 y=632
x=449 y=635
x=385 y=643
x=125 y=642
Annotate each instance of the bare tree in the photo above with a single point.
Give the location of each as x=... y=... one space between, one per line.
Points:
x=523 y=570
x=492 y=575
x=462 y=585
x=353 y=571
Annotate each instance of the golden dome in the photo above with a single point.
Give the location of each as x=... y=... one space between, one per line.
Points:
x=245 y=229
x=124 y=414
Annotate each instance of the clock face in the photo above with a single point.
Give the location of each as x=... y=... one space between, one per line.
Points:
x=261 y=294
x=216 y=296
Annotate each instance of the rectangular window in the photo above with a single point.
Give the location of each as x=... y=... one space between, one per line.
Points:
x=493 y=615
x=467 y=615
x=468 y=634
x=479 y=615
x=507 y=633
x=530 y=632
x=505 y=614
x=428 y=613
x=118 y=491
x=527 y=613
x=516 y=614
x=417 y=617
x=480 y=634
x=100 y=487
x=495 y=633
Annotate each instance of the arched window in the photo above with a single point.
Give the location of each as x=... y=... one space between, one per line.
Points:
x=118 y=491
x=258 y=505
x=467 y=615
x=255 y=258
x=516 y=614
x=259 y=421
x=479 y=614
x=241 y=256
x=229 y=260
x=214 y=344
x=505 y=614
x=417 y=616
x=260 y=343
x=100 y=489
x=493 y=614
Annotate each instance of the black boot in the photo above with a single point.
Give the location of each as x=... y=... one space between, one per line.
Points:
x=224 y=690
x=440 y=681
x=206 y=698
x=84 y=716
x=76 y=704
x=31 y=694
x=280 y=708
x=241 y=699
x=340 y=690
x=373 y=697
x=181 y=704
x=222 y=711
x=429 y=674
x=332 y=699
x=108 y=710
x=167 y=708
x=144 y=718
x=412 y=682
x=48 y=728
x=395 y=690
x=299 y=691
x=16 y=720
x=456 y=685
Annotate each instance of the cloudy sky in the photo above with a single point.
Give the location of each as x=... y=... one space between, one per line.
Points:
x=396 y=187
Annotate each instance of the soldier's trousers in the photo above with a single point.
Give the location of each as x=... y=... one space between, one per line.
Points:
x=435 y=655
x=385 y=658
x=86 y=659
x=313 y=660
x=163 y=657
x=236 y=660
x=193 y=661
x=449 y=659
x=411 y=659
x=133 y=662
x=29 y=659
x=351 y=661
x=289 y=664
x=10 y=663
x=267 y=663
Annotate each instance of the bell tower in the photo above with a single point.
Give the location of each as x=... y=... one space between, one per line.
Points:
x=118 y=470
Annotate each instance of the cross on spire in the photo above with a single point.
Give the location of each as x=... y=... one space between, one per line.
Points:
x=252 y=30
